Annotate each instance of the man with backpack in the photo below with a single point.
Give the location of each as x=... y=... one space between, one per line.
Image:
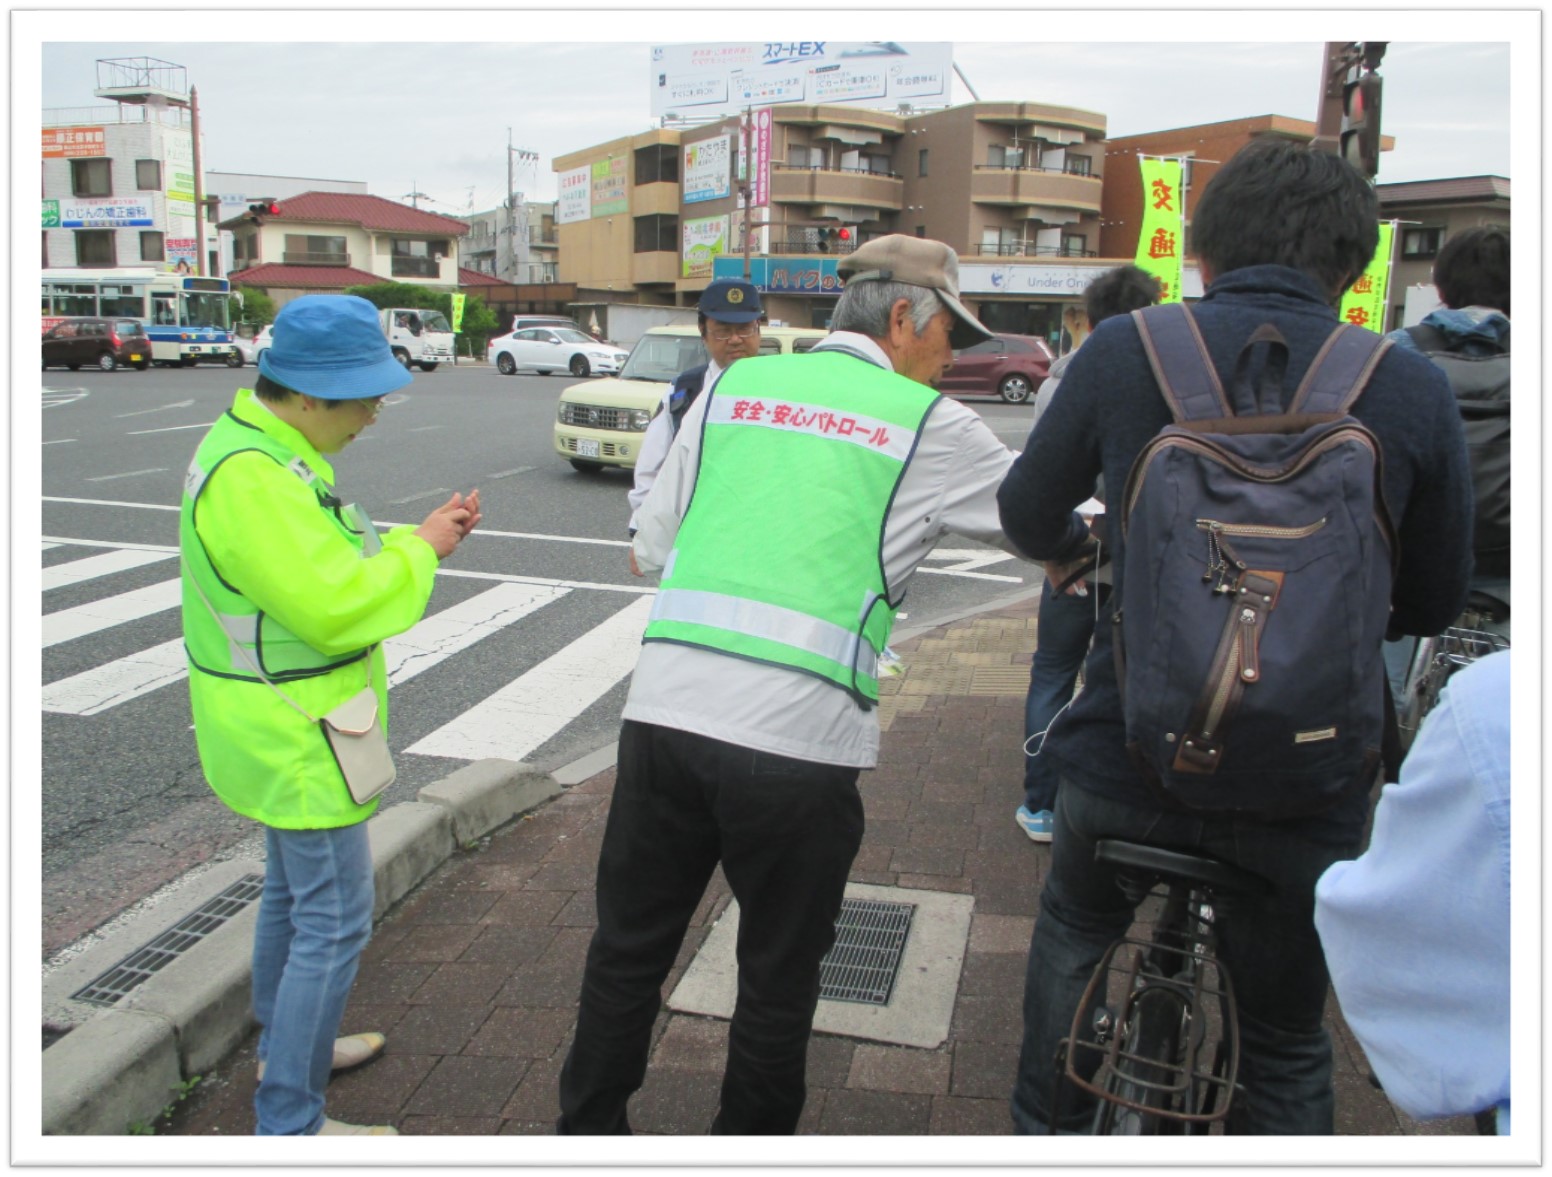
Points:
x=1469 y=339
x=1263 y=563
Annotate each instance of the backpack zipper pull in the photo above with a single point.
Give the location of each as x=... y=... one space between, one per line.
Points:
x=1250 y=632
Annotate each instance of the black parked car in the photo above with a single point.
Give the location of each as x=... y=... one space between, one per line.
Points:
x=102 y=343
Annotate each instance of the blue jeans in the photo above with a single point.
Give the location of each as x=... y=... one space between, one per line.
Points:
x=314 y=919
x=1065 y=627
x=1269 y=947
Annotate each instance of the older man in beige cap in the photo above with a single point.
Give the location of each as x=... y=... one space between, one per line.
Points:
x=820 y=481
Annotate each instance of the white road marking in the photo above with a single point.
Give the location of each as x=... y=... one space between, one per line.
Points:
x=68 y=624
x=60 y=441
x=971 y=575
x=171 y=428
x=537 y=705
x=170 y=549
x=127 y=474
x=53 y=398
x=75 y=571
x=424 y=428
x=47 y=545
x=421 y=494
x=119 y=681
x=968 y=558
x=508 y=473
x=110 y=503
x=558 y=539
x=159 y=409
x=443 y=634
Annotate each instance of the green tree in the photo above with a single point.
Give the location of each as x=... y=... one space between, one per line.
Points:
x=479 y=321
x=257 y=307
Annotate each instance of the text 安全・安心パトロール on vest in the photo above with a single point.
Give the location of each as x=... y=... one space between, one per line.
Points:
x=779 y=557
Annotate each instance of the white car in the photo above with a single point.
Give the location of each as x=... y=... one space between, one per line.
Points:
x=246 y=350
x=553 y=349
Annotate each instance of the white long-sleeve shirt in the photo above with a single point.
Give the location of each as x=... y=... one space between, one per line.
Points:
x=655 y=442
x=949 y=486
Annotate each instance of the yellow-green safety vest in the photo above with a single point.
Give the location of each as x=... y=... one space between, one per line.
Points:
x=779 y=557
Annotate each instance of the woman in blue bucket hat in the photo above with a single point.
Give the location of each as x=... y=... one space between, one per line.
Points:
x=288 y=594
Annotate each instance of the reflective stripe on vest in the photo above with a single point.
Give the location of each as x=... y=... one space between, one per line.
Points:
x=770 y=623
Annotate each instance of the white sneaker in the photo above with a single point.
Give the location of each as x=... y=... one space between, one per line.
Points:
x=340 y=1128
x=352 y=1052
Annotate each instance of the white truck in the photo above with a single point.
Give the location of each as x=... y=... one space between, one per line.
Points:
x=418 y=335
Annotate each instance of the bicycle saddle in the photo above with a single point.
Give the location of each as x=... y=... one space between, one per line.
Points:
x=1219 y=876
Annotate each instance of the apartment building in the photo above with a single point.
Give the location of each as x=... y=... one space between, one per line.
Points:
x=517 y=246
x=654 y=217
x=119 y=183
x=318 y=242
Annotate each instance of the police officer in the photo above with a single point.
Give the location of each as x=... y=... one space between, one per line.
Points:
x=729 y=322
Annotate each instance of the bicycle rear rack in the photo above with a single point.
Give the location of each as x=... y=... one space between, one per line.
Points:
x=1194 y=1088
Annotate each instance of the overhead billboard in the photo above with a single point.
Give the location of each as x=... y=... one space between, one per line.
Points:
x=717 y=78
x=573 y=203
x=706 y=169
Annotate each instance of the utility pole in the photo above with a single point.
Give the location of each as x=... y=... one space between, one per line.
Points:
x=414 y=197
x=517 y=219
x=199 y=186
x=746 y=187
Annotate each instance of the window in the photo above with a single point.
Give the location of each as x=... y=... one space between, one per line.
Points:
x=95 y=247
x=45 y=249
x=91 y=177
x=1074 y=244
x=996 y=156
x=800 y=155
x=921 y=230
x=415 y=259
x=152 y=248
x=658 y=164
x=148 y=175
x=657 y=233
x=1079 y=165
x=304 y=250
x=1421 y=243
x=921 y=162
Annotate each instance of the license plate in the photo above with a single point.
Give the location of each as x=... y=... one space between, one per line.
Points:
x=587 y=447
x=134 y=357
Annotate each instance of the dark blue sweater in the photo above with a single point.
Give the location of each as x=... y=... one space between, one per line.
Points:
x=1108 y=408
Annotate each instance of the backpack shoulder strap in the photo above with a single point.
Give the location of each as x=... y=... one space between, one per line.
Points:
x=1180 y=362
x=1339 y=371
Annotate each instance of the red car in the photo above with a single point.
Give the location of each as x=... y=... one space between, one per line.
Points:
x=1009 y=366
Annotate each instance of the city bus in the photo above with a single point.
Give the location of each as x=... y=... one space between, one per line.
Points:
x=188 y=319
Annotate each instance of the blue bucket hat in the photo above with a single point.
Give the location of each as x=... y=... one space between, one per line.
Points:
x=731 y=300
x=331 y=346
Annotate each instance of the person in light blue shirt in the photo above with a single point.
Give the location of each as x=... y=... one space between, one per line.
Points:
x=1416 y=930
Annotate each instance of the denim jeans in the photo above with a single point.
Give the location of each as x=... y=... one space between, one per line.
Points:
x=785 y=832
x=315 y=917
x=1268 y=946
x=1065 y=627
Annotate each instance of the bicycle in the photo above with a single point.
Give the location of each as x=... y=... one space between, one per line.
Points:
x=1164 y=1050
x=1435 y=659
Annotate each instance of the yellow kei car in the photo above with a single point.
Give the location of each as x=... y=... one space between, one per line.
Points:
x=600 y=423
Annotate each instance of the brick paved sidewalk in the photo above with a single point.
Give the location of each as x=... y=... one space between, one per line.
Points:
x=475 y=976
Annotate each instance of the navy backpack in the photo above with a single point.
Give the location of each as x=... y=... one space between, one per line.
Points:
x=1256 y=586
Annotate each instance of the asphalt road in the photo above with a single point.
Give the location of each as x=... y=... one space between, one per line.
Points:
x=525 y=653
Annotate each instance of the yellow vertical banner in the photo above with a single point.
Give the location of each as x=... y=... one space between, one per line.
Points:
x=1364 y=302
x=1161 y=239
x=458 y=300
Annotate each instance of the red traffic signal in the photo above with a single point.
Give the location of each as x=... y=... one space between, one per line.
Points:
x=263 y=208
x=845 y=234
x=1360 y=136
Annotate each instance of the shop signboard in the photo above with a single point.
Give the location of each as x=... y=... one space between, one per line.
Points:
x=1046 y=280
x=111 y=212
x=705 y=238
x=708 y=79
x=74 y=142
x=51 y=214
x=707 y=170
x=573 y=203
x=785 y=275
x=608 y=185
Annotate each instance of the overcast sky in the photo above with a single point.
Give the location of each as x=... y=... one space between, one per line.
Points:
x=433 y=117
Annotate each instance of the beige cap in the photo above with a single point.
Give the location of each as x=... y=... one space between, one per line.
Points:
x=916 y=261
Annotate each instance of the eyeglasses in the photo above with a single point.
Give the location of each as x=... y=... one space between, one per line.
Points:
x=372 y=404
x=733 y=330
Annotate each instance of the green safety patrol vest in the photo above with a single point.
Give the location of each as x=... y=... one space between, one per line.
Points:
x=213 y=640
x=779 y=557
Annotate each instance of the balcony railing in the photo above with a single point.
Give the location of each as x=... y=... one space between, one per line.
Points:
x=416 y=267
x=803 y=245
x=805 y=167
x=1018 y=249
x=311 y=258
x=1066 y=169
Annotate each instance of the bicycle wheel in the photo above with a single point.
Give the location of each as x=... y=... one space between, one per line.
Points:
x=1147 y=1070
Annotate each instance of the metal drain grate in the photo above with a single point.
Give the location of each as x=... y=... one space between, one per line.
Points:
x=137 y=968
x=869 y=941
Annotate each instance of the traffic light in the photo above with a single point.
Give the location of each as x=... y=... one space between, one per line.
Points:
x=260 y=209
x=1360 y=139
x=837 y=239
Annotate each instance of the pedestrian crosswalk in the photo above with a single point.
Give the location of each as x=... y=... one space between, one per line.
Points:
x=511 y=722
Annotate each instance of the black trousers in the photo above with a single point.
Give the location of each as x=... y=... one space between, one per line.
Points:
x=786 y=832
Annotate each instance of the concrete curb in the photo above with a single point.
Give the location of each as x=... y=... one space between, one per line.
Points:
x=123 y=1066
